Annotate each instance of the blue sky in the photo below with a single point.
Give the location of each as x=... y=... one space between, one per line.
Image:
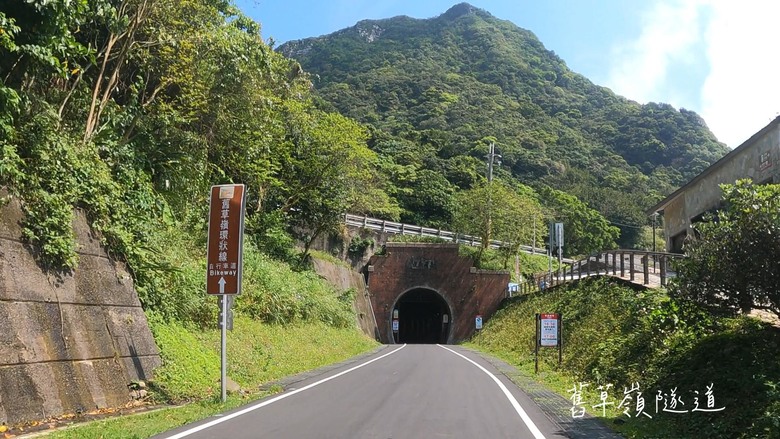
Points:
x=716 y=57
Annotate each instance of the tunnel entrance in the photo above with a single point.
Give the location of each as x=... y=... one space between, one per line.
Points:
x=423 y=317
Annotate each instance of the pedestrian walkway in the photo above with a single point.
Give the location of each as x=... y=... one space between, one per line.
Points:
x=645 y=268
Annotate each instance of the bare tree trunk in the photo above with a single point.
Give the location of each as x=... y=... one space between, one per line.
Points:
x=102 y=90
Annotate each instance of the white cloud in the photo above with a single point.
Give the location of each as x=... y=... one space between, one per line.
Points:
x=641 y=70
x=741 y=94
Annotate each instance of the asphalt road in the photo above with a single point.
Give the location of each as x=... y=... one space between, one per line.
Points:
x=403 y=391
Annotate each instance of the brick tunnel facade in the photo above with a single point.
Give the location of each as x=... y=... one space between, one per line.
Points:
x=429 y=293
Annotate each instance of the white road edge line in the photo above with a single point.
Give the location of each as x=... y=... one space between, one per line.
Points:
x=523 y=415
x=277 y=398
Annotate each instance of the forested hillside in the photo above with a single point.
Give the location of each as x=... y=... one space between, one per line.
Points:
x=436 y=92
x=131 y=109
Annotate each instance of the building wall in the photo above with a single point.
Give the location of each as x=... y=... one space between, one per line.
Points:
x=759 y=161
x=468 y=292
x=69 y=342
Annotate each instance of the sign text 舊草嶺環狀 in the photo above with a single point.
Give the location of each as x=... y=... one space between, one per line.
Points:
x=225 y=239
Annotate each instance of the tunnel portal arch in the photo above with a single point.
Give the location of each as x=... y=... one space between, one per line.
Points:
x=423 y=315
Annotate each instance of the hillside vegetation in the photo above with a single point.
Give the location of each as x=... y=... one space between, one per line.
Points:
x=436 y=92
x=619 y=335
x=130 y=110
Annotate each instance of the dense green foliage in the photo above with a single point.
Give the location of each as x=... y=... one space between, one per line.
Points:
x=436 y=91
x=620 y=335
x=733 y=263
x=495 y=211
x=132 y=109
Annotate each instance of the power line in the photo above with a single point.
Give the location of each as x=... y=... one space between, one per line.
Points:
x=625 y=225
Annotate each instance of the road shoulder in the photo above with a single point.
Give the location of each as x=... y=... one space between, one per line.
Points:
x=554 y=406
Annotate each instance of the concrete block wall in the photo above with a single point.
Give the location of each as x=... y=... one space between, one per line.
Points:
x=69 y=343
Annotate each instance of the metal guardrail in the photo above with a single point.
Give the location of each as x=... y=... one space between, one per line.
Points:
x=615 y=261
x=410 y=229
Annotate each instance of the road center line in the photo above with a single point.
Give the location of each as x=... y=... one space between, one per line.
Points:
x=277 y=398
x=523 y=415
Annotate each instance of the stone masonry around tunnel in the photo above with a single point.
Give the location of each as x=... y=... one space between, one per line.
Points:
x=433 y=292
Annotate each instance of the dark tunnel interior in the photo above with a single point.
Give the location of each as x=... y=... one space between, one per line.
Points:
x=421 y=317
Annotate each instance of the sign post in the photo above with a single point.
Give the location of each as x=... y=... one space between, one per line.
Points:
x=548 y=334
x=224 y=256
x=559 y=244
x=556 y=242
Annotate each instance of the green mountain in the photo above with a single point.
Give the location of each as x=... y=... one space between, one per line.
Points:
x=437 y=91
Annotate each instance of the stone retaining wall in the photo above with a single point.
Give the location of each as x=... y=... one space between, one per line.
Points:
x=69 y=343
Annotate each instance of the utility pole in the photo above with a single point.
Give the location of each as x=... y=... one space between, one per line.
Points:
x=491 y=157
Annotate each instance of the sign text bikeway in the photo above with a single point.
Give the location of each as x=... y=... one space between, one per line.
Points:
x=225 y=239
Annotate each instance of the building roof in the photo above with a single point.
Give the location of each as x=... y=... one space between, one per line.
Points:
x=660 y=206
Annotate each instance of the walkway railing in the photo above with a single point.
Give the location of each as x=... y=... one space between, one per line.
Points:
x=638 y=266
x=409 y=229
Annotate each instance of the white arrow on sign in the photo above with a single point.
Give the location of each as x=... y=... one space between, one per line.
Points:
x=222 y=283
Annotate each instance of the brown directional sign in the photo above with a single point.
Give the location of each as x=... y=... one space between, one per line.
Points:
x=225 y=239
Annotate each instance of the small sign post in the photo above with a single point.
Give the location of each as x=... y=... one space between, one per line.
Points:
x=549 y=329
x=224 y=255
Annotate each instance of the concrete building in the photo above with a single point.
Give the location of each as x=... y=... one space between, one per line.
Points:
x=758 y=158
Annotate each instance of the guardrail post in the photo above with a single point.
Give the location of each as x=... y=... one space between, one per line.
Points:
x=365 y=221
x=646 y=268
x=631 y=266
x=663 y=270
x=384 y=222
x=614 y=263
x=622 y=264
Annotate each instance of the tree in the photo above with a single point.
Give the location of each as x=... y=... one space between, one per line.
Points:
x=327 y=171
x=733 y=262
x=513 y=223
x=496 y=211
x=587 y=230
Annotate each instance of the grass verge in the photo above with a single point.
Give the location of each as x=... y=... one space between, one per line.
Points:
x=616 y=336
